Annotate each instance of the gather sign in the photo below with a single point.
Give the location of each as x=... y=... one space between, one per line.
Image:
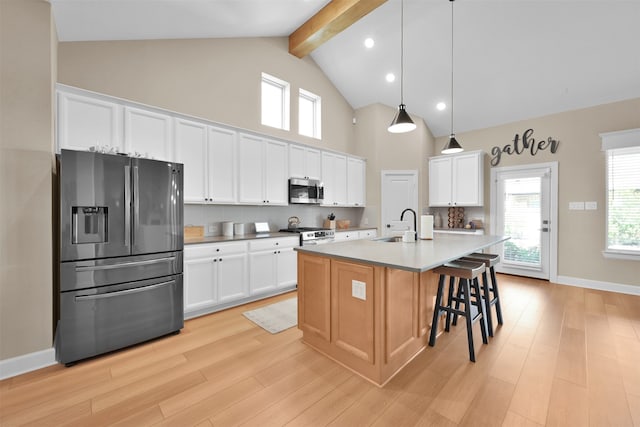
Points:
x=527 y=143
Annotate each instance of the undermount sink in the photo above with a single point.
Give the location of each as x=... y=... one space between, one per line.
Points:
x=389 y=239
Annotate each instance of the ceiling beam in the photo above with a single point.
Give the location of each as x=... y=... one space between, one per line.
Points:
x=336 y=16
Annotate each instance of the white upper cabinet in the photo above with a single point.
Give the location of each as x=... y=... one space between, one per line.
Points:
x=85 y=122
x=222 y=165
x=251 y=169
x=276 y=173
x=304 y=162
x=457 y=180
x=355 y=182
x=334 y=176
x=148 y=134
x=208 y=155
x=191 y=150
x=263 y=171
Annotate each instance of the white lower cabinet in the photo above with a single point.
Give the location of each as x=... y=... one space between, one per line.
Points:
x=341 y=236
x=214 y=274
x=368 y=234
x=272 y=264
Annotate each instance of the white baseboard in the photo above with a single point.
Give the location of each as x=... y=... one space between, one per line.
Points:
x=27 y=363
x=595 y=284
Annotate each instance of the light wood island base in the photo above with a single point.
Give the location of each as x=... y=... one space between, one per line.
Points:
x=375 y=336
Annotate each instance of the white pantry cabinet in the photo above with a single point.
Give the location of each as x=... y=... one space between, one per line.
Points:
x=457 y=180
x=272 y=264
x=355 y=182
x=85 y=121
x=334 y=177
x=214 y=274
x=148 y=134
x=263 y=171
x=304 y=162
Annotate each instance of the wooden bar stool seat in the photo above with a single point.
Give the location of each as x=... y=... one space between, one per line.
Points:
x=490 y=292
x=467 y=273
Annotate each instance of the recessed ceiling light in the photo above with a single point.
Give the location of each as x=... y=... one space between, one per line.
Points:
x=368 y=42
x=390 y=77
x=441 y=106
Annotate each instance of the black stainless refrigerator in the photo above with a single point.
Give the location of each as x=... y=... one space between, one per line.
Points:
x=121 y=243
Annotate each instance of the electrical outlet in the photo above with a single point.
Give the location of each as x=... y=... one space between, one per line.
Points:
x=359 y=290
x=576 y=206
x=591 y=206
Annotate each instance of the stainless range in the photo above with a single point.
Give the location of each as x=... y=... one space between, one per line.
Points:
x=312 y=235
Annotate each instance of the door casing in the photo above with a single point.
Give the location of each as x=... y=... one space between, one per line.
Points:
x=553 y=208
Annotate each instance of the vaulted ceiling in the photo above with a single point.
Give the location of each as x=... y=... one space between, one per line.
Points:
x=513 y=59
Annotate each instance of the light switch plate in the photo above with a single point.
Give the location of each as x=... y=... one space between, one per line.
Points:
x=359 y=290
x=576 y=206
x=591 y=206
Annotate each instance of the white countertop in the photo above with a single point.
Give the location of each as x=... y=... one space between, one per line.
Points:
x=418 y=256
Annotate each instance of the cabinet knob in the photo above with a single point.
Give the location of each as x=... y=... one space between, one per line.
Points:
x=218 y=250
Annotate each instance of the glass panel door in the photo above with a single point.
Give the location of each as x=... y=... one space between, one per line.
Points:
x=523 y=214
x=522 y=210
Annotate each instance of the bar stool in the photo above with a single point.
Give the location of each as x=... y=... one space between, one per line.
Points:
x=491 y=295
x=467 y=273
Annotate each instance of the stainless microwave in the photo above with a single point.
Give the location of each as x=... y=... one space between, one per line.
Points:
x=305 y=191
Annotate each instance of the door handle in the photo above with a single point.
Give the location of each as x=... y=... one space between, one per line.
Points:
x=127 y=205
x=124 y=264
x=124 y=292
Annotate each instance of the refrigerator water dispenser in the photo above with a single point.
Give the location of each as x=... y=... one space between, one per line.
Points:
x=89 y=224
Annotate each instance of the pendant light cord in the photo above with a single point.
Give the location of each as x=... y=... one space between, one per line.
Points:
x=451 y=66
x=402 y=52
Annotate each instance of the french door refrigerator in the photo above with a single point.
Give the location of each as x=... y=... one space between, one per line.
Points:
x=121 y=243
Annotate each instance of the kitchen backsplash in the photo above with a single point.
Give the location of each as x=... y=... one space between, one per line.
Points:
x=212 y=216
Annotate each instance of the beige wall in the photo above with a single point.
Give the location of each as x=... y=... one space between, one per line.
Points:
x=581 y=164
x=215 y=79
x=27 y=64
x=388 y=151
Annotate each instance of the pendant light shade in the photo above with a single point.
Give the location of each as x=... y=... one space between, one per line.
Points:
x=453 y=146
x=401 y=122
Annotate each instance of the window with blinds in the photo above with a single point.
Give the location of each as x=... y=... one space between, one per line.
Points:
x=623 y=200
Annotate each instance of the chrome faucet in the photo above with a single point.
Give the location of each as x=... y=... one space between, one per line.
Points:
x=415 y=227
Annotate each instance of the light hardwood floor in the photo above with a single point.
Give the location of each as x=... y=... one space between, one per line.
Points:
x=565 y=356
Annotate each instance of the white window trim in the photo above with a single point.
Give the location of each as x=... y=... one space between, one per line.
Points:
x=286 y=99
x=317 y=112
x=611 y=141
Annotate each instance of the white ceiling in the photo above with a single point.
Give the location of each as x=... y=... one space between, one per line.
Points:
x=513 y=59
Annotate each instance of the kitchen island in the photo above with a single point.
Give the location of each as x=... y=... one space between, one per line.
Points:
x=368 y=304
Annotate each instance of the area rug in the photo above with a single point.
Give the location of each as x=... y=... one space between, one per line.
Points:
x=275 y=317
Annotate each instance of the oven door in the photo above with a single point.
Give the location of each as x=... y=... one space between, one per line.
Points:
x=99 y=320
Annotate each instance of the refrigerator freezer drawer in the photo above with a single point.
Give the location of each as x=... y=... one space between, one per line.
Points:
x=100 y=320
x=110 y=271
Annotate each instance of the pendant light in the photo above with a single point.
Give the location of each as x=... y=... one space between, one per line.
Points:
x=401 y=122
x=452 y=146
